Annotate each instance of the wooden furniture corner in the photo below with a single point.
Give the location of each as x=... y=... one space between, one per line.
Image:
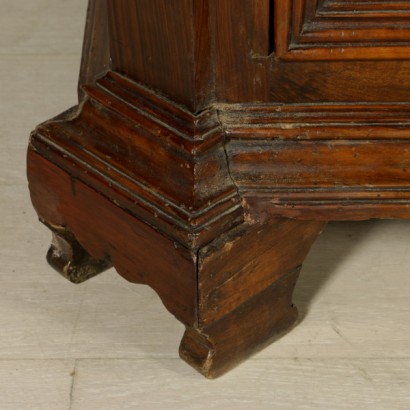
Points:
x=212 y=141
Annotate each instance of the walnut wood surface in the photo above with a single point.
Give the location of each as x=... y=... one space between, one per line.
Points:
x=242 y=276
x=212 y=141
x=215 y=349
x=332 y=30
x=96 y=51
x=150 y=45
x=107 y=232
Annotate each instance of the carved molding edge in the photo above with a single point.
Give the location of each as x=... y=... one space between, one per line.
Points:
x=321 y=161
x=192 y=177
x=149 y=156
x=329 y=30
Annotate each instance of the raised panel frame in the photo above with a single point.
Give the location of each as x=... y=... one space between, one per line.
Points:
x=341 y=30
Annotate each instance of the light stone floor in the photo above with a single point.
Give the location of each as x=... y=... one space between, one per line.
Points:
x=107 y=344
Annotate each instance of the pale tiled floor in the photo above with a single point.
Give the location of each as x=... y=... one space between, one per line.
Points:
x=111 y=345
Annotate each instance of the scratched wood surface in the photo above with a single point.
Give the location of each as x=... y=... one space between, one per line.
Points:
x=108 y=344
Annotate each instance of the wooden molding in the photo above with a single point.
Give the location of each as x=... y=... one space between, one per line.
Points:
x=325 y=161
x=176 y=171
x=333 y=30
x=150 y=156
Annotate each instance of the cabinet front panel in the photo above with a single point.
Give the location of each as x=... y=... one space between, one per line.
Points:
x=311 y=50
x=341 y=30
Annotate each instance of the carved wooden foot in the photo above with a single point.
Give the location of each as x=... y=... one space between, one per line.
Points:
x=233 y=293
x=69 y=258
x=214 y=349
x=246 y=279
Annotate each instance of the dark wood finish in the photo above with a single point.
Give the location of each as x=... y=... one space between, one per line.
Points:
x=248 y=259
x=321 y=161
x=334 y=30
x=108 y=232
x=152 y=46
x=212 y=141
x=96 y=51
x=252 y=268
x=69 y=258
x=156 y=159
x=243 y=75
x=215 y=349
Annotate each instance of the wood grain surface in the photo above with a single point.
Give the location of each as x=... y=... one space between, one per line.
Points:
x=108 y=344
